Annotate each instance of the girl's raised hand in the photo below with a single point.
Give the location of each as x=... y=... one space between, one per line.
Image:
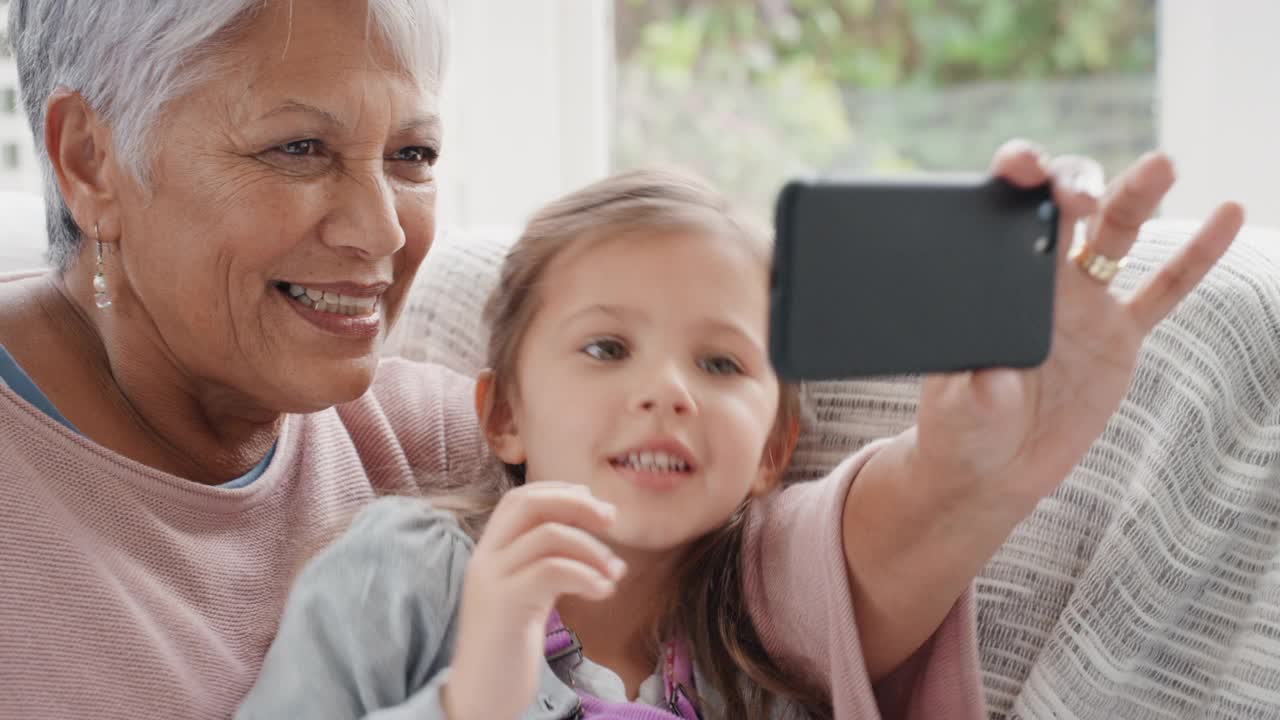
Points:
x=539 y=544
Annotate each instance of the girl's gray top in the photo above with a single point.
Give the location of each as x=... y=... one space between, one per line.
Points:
x=370 y=626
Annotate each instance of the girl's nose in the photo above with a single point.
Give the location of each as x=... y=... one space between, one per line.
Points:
x=667 y=393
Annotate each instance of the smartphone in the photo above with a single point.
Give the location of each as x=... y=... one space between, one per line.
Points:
x=890 y=277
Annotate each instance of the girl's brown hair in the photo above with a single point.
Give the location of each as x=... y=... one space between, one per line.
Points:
x=709 y=607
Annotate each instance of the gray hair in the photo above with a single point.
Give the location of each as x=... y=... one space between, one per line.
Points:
x=128 y=58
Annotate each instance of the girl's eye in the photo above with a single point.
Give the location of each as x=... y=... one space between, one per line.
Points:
x=416 y=154
x=300 y=148
x=720 y=365
x=607 y=350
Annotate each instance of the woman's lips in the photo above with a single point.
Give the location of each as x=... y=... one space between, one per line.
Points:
x=361 y=320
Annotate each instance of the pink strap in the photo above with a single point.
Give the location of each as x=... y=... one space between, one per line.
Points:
x=677 y=669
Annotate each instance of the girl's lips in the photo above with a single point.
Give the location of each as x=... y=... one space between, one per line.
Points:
x=654 y=481
x=669 y=446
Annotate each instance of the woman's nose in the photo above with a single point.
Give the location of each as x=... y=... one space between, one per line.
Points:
x=366 y=220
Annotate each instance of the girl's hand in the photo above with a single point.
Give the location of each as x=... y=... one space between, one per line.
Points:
x=539 y=544
x=1009 y=437
x=933 y=505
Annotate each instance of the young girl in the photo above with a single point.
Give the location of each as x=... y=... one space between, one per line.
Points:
x=631 y=397
x=646 y=563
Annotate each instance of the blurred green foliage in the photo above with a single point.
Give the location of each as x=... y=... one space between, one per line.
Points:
x=750 y=92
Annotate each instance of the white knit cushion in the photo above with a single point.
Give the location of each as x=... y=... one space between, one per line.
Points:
x=1148 y=585
x=442 y=322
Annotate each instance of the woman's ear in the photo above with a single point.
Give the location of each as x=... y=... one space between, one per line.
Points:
x=82 y=156
x=497 y=421
x=777 y=455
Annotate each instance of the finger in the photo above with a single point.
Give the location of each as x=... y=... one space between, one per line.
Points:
x=993 y=389
x=1130 y=201
x=559 y=540
x=541 y=502
x=547 y=579
x=973 y=397
x=1021 y=162
x=1164 y=289
x=1078 y=182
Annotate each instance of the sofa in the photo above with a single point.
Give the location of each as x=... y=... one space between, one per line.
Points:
x=1147 y=586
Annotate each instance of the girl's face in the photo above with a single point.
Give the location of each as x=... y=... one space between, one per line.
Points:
x=644 y=375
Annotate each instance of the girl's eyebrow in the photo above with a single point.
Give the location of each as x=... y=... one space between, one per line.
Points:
x=708 y=326
x=617 y=312
x=718 y=326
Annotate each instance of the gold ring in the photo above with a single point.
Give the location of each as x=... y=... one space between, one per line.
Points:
x=1097 y=266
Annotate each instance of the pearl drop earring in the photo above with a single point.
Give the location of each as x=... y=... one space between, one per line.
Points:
x=100 y=296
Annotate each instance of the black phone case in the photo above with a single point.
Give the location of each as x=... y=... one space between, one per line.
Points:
x=887 y=278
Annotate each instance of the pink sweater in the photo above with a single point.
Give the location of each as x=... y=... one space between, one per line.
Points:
x=127 y=592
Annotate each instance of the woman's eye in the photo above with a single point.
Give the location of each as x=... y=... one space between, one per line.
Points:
x=300 y=148
x=416 y=154
x=606 y=350
x=720 y=365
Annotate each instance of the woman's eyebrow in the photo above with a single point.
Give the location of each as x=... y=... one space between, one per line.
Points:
x=430 y=123
x=292 y=106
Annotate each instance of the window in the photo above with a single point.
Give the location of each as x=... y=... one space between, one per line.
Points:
x=12 y=156
x=9 y=101
x=752 y=93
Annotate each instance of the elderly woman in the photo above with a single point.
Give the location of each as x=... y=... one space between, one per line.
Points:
x=239 y=193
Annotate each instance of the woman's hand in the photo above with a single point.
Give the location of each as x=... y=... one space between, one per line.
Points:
x=1009 y=437
x=540 y=544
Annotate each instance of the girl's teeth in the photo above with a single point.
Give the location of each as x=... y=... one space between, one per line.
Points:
x=659 y=461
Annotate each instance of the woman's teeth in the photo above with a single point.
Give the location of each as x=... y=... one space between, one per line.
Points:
x=331 y=302
x=652 y=462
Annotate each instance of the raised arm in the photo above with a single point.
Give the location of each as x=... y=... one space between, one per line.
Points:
x=933 y=506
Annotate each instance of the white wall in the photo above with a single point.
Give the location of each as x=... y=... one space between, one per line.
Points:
x=1219 y=105
x=527 y=108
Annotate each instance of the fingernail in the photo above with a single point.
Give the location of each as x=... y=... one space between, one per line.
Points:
x=1087 y=183
x=1084 y=189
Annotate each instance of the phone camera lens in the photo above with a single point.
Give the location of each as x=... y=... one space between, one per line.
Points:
x=1046 y=211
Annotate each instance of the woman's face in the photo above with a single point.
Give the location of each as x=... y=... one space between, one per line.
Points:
x=303 y=170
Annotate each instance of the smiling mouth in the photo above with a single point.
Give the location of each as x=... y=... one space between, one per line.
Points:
x=651 y=462
x=327 y=301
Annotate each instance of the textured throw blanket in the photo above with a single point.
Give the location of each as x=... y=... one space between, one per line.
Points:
x=1148 y=585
